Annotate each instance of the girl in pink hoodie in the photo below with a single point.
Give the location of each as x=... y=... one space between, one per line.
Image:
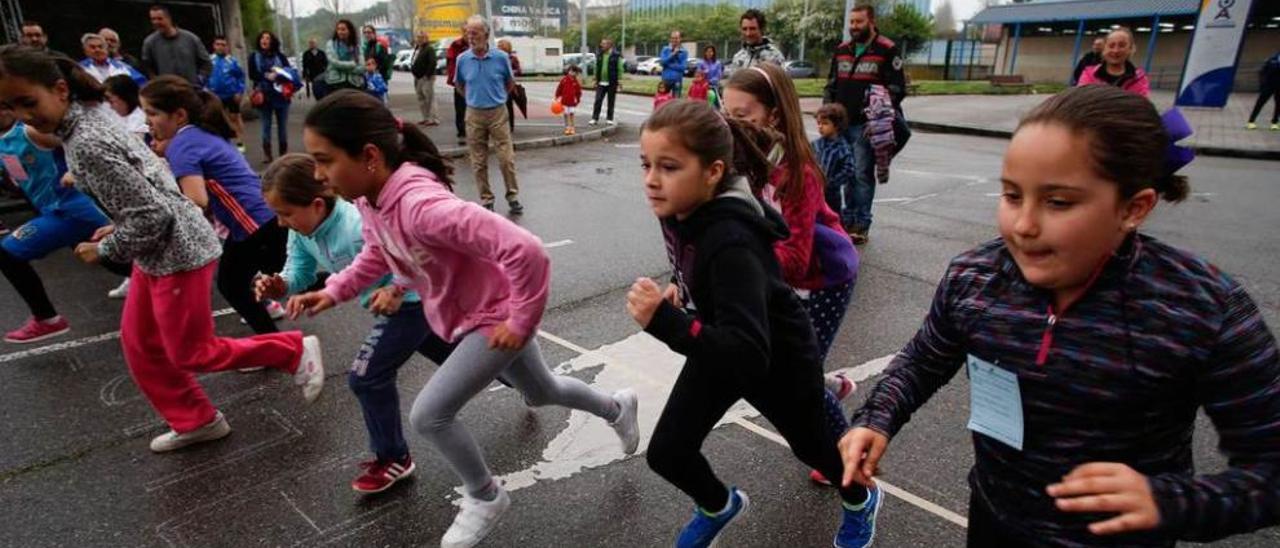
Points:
x=483 y=281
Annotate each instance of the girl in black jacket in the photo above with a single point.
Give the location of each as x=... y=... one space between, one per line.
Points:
x=748 y=337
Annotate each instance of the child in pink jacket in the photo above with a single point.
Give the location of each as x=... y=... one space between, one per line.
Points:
x=483 y=282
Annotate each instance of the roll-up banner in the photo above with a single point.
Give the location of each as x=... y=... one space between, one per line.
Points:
x=1215 y=50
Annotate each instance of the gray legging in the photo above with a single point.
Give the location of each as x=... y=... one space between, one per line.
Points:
x=471 y=368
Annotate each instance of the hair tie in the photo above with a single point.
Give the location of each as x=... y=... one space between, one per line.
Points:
x=1176 y=125
x=767 y=79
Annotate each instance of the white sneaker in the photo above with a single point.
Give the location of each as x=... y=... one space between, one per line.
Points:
x=592 y=123
x=121 y=291
x=310 y=373
x=475 y=521
x=611 y=122
x=171 y=440
x=627 y=425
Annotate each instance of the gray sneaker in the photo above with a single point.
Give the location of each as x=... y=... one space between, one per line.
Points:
x=627 y=424
x=170 y=441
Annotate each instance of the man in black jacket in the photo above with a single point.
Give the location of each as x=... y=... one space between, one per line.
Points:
x=423 y=68
x=314 y=64
x=867 y=59
x=1090 y=59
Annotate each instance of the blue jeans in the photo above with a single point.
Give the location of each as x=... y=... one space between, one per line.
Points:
x=857 y=200
x=282 y=119
x=390 y=344
x=674 y=86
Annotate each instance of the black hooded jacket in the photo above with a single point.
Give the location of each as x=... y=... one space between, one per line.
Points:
x=744 y=320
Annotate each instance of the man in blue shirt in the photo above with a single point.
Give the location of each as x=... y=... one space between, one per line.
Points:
x=484 y=77
x=674 y=60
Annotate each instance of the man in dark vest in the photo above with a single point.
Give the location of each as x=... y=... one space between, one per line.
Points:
x=610 y=67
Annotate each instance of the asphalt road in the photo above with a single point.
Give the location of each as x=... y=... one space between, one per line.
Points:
x=75 y=469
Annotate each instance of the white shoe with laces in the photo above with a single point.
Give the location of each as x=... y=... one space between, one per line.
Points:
x=310 y=373
x=476 y=520
x=121 y=291
x=170 y=441
x=627 y=424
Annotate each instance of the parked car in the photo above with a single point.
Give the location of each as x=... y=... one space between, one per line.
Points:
x=633 y=65
x=651 y=65
x=588 y=66
x=800 y=69
x=403 y=60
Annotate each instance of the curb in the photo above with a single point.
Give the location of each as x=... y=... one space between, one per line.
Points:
x=543 y=142
x=1002 y=134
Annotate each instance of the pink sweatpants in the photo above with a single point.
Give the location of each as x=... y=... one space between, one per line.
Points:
x=167 y=334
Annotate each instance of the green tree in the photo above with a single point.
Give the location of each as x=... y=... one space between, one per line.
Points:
x=910 y=29
x=820 y=24
x=256 y=16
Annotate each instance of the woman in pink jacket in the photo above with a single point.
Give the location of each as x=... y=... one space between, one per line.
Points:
x=483 y=281
x=1116 y=70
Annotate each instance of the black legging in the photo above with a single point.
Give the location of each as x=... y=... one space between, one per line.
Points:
x=790 y=397
x=1270 y=92
x=263 y=251
x=601 y=92
x=460 y=113
x=27 y=282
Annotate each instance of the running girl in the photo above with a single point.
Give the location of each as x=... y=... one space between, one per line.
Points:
x=66 y=217
x=1092 y=347
x=167 y=326
x=483 y=279
x=818 y=259
x=749 y=338
x=215 y=176
x=325 y=234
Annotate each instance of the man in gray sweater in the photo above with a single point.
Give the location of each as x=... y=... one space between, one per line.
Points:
x=171 y=50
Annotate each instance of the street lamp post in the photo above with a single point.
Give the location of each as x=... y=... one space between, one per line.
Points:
x=582 y=7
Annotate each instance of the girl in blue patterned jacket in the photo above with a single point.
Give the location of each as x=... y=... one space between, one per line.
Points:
x=1089 y=348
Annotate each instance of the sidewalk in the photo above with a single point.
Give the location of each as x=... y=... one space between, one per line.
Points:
x=1218 y=132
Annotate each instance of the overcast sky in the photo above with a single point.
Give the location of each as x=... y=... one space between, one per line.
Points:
x=963 y=9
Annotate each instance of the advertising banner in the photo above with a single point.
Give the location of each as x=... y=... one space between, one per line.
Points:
x=1215 y=48
x=510 y=17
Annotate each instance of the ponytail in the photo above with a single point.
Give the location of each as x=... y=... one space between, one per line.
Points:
x=47 y=68
x=351 y=119
x=751 y=146
x=169 y=93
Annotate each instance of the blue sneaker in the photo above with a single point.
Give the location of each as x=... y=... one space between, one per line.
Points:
x=858 y=528
x=704 y=530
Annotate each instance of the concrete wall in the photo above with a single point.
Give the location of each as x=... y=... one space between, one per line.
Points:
x=1048 y=59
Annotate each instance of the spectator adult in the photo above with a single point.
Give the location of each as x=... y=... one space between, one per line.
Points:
x=1115 y=68
x=227 y=82
x=712 y=68
x=505 y=46
x=867 y=59
x=171 y=50
x=456 y=48
x=374 y=49
x=112 y=38
x=756 y=48
x=1090 y=59
x=674 y=60
x=345 y=69
x=263 y=65
x=99 y=64
x=485 y=79
x=33 y=35
x=423 y=68
x=1268 y=90
x=314 y=65
x=610 y=66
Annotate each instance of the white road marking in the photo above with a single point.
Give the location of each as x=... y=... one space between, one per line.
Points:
x=557 y=243
x=646 y=365
x=77 y=343
x=310 y=521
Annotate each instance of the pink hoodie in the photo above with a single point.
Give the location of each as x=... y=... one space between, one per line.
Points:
x=1138 y=84
x=472 y=268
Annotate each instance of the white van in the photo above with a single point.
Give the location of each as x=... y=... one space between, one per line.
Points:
x=537 y=55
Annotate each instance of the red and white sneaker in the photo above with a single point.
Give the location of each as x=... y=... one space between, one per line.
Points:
x=38 y=330
x=839 y=385
x=310 y=372
x=817 y=477
x=378 y=476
